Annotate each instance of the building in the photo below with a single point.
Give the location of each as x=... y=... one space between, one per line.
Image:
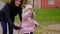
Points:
x=46 y=3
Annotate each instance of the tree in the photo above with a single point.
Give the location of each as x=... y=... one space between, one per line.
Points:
x=5 y=1
x=24 y=2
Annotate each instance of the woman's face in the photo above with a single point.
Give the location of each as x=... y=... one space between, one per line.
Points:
x=17 y=2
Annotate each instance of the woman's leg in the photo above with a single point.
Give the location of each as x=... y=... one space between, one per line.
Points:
x=10 y=29
x=4 y=27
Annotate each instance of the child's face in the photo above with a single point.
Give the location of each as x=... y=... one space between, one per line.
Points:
x=30 y=9
x=17 y=2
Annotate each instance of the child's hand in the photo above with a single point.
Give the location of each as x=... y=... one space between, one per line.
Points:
x=36 y=25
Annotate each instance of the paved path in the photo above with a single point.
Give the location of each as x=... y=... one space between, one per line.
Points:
x=0 y=29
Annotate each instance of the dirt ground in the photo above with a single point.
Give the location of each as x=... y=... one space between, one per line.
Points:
x=51 y=29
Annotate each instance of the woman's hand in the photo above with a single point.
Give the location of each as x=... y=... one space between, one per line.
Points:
x=16 y=27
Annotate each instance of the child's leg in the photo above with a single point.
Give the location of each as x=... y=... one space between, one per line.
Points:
x=26 y=33
x=23 y=33
x=31 y=32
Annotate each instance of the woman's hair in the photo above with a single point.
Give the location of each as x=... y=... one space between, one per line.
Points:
x=13 y=2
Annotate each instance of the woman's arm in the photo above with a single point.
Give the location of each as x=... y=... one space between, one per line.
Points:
x=7 y=16
x=20 y=14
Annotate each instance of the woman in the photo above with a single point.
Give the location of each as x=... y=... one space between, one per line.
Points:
x=8 y=13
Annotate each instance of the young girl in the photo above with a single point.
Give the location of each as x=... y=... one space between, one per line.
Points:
x=28 y=22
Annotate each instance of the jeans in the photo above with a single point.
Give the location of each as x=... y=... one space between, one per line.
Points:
x=4 y=28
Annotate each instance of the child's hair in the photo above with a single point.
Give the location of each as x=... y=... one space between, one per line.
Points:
x=28 y=7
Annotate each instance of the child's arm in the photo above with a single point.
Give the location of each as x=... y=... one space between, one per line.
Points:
x=33 y=14
x=36 y=24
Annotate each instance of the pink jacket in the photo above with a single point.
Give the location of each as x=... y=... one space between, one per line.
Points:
x=28 y=24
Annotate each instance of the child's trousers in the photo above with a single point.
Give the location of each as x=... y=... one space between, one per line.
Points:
x=30 y=33
x=27 y=33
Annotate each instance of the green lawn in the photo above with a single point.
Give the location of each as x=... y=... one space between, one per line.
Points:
x=46 y=15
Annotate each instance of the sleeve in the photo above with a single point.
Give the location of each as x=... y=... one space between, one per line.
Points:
x=36 y=24
x=20 y=15
x=33 y=13
x=7 y=15
x=25 y=15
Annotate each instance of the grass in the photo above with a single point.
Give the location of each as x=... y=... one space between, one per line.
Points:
x=46 y=15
